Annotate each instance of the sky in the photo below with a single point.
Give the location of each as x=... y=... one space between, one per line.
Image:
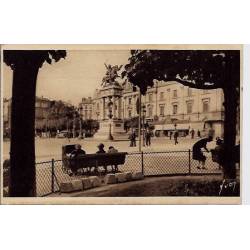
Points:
x=73 y=78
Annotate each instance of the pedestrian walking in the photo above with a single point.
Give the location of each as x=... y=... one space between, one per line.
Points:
x=192 y=133
x=197 y=151
x=176 y=135
x=199 y=133
x=148 y=137
x=132 y=138
x=170 y=135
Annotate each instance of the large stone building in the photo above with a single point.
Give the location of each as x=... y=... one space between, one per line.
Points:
x=167 y=105
x=45 y=116
x=85 y=108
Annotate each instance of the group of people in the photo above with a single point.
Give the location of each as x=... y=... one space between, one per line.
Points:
x=217 y=153
x=198 y=150
x=192 y=133
x=147 y=137
x=78 y=151
x=175 y=135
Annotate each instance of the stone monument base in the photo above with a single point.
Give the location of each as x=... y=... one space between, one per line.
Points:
x=117 y=130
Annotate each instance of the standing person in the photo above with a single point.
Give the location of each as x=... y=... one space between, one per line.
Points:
x=132 y=138
x=197 y=151
x=176 y=134
x=192 y=133
x=170 y=135
x=148 y=137
x=199 y=133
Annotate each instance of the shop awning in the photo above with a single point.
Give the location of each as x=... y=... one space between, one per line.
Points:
x=184 y=126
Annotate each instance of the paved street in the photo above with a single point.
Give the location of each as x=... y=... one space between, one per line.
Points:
x=48 y=148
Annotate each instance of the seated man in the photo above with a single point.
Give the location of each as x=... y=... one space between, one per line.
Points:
x=74 y=155
x=101 y=151
x=113 y=150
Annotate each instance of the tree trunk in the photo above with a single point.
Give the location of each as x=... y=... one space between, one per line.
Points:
x=22 y=149
x=230 y=97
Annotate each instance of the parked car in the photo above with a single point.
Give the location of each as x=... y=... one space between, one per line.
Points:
x=62 y=134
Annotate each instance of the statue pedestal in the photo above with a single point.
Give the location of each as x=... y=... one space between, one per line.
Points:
x=117 y=130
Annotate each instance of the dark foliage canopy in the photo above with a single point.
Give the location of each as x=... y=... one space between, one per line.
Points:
x=202 y=69
x=14 y=58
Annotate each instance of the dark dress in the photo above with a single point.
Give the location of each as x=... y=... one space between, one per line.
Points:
x=75 y=161
x=101 y=151
x=197 y=153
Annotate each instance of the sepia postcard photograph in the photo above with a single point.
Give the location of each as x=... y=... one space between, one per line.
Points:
x=121 y=124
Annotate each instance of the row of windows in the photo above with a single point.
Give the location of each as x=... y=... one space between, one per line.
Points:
x=175 y=108
x=175 y=94
x=162 y=95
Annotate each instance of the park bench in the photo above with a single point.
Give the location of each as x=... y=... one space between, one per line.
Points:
x=85 y=163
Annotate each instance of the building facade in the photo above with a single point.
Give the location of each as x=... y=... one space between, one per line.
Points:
x=48 y=114
x=167 y=105
x=86 y=108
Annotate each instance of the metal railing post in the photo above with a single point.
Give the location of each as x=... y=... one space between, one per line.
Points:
x=142 y=163
x=52 y=175
x=189 y=162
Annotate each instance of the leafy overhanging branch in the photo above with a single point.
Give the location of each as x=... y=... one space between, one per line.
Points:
x=14 y=58
x=201 y=69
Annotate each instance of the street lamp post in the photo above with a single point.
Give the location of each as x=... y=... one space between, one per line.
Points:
x=110 y=106
x=143 y=121
x=139 y=128
x=74 y=124
x=80 y=122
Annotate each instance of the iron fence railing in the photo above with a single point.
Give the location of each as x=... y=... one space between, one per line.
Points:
x=50 y=174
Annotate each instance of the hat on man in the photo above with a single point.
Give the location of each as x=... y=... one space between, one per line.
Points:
x=101 y=145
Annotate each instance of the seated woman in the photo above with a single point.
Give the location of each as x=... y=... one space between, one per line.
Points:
x=113 y=150
x=74 y=155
